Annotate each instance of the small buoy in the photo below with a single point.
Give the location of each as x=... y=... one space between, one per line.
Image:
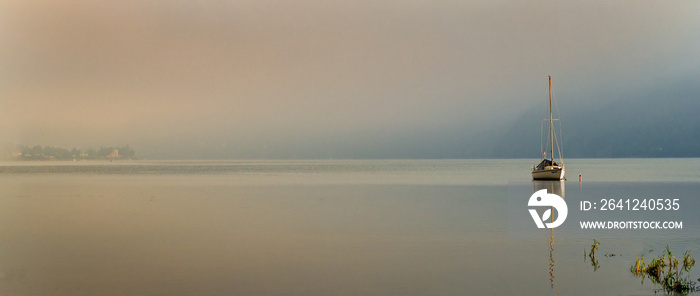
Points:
x=580 y=178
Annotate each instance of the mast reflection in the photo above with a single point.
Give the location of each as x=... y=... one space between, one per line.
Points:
x=558 y=188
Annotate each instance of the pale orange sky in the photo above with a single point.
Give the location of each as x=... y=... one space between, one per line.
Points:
x=244 y=75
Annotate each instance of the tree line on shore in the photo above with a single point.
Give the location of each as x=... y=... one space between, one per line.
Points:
x=56 y=153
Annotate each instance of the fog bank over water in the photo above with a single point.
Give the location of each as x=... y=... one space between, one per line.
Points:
x=656 y=121
x=319 y=79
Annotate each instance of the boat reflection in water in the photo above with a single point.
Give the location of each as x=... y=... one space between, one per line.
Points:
x=555 y=187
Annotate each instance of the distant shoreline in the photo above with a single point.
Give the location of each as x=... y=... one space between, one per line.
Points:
x=49 y=153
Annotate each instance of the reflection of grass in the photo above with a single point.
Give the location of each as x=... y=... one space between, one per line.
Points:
x=665 y=271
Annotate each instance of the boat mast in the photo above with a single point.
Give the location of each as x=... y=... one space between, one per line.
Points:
x=551 y=121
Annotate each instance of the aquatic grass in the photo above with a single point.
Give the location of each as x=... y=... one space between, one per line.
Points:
x=594 y=247
x=664 y=271
x=591 y=255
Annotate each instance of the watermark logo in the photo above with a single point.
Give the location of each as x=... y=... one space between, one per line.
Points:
x=543 y=199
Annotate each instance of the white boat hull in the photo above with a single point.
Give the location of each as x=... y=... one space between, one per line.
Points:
x=549 y=173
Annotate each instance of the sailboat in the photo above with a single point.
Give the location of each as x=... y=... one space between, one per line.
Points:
x=548 y=169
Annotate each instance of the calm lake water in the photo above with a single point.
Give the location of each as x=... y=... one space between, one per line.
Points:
x=336 y=227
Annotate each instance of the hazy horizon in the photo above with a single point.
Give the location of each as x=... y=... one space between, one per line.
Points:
x=319 y=79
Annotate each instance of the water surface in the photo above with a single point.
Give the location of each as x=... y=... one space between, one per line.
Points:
x=331 y=227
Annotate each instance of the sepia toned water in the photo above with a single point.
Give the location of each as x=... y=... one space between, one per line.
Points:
x=325 y=227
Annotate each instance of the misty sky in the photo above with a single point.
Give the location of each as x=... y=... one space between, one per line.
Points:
x=298 y=78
